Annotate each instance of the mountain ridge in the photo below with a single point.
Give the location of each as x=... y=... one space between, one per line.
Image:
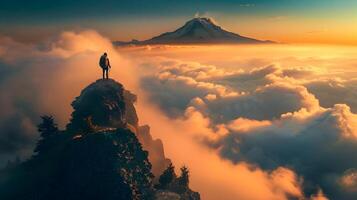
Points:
x=103 y=153
x=199 y=30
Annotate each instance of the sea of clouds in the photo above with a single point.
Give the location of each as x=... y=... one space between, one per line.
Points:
x=272 y=117
x=248 y=123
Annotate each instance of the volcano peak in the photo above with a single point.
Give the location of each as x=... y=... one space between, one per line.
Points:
x=199 y=30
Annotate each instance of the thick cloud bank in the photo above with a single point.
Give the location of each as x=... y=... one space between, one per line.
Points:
x=317 y=146
x=271 y=117
x=246 y=128
x=38 y=79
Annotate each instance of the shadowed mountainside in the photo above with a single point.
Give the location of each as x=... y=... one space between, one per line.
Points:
x=108 y=105
x=199 y=30
x=100 y=155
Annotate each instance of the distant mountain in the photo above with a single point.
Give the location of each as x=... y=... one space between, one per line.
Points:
x=199 y=30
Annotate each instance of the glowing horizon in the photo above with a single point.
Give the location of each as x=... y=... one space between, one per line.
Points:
x=293 y=22
x=251 y=121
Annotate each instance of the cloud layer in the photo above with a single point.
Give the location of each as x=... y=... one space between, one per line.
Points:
x=298 y=118
x=254 y=130
x=38 y=79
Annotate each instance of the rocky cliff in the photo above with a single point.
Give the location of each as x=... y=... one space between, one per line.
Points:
x=102 y=154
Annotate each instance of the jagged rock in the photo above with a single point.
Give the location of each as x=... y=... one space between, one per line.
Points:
x=156 y=148
x=106 y=104
x=103 y=102
x=100 y=155
x=130 y=114
x=100 y=164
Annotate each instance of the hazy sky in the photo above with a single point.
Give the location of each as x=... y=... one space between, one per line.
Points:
x=264 y=122
x=303 y=21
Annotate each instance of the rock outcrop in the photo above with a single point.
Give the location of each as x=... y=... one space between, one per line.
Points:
x=102 y=154
x=106 y=104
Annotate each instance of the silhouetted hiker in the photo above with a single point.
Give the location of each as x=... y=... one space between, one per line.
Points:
x=105 y=65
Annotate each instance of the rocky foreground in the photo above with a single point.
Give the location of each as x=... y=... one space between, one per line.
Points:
x=102 y=154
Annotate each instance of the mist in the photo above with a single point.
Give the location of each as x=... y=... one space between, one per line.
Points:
x=217 y=109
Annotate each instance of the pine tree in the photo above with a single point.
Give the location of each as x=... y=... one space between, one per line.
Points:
x=48 y=129
x=183 y=180
x=167 y=177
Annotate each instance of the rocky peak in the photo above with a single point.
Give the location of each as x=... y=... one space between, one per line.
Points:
x=102 y=103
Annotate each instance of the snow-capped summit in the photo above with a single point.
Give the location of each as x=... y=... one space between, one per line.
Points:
x=199 y=30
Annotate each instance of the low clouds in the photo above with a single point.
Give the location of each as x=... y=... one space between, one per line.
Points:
x=334 y=91
x=38 y=79
x=317 y=146
x=296 y=118
x=253 y=130
x=46 y=77
x=258 y=97
x=265 y=103
x=214 y=177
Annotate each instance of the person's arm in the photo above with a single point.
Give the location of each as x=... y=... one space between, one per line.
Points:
x=109 y=63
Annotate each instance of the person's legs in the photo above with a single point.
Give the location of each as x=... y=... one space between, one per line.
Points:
x=103 y=72
x=106 y=71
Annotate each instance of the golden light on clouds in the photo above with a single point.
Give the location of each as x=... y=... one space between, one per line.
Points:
x=222 y=110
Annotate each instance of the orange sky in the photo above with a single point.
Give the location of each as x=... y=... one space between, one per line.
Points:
x=288 y=21
x=278 y=28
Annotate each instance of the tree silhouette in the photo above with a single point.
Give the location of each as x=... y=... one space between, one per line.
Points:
x=167 y=177
x=183 y=180
x=95 y=157
x=168 y=181
x=48 y=130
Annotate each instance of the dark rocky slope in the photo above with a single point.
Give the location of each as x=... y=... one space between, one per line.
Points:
x=100 y=155
x=108 y=105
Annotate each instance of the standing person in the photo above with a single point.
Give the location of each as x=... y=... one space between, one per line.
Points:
x=105 y=65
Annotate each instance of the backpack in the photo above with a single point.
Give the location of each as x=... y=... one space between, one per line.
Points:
x=103 y=62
